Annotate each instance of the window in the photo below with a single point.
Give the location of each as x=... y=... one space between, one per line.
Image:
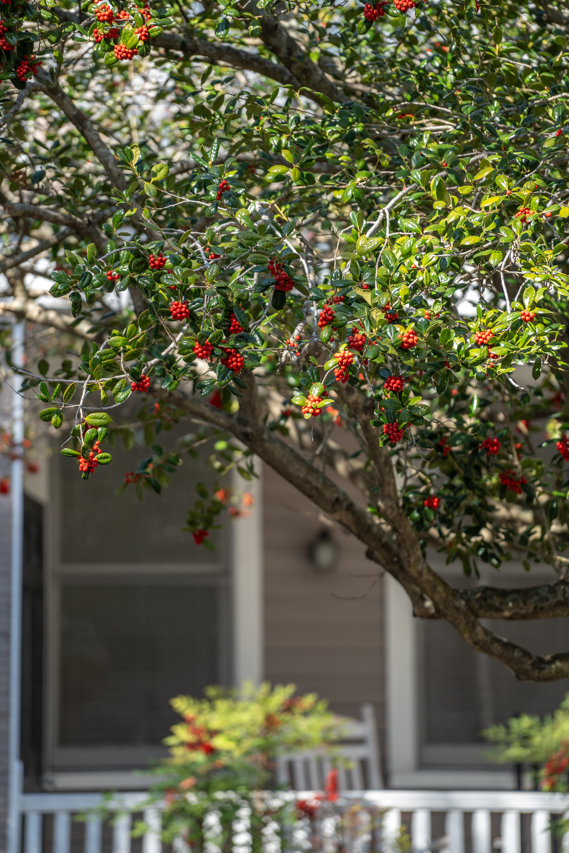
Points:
x=441 y=693
x=137 y=614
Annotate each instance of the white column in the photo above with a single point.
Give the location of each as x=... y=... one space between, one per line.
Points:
x=247 y=563
x=401 y=659
x=17 y=494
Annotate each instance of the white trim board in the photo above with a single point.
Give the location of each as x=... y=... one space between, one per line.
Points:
x=247 y=570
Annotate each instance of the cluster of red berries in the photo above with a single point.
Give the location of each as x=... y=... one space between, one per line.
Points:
x=482 y=338
x=145 y=12
x=409 y=339
x=563 y=447
x=156 y=263
x=491 y=446
x=112 y=276
x=233 y=360
x=445 y=450
x=293 y=342
x=3 y=43
x=558 y=132
x=122 y=52
x=394 y=383
x=222 y=188
x=234 y=326
x=404 y=5
x=212 y=256
x=310 y=407
x=395 y=434
x=372 y=13
x=89 y=465
x=105 y=14
x=357 y=340
x=390 y=316
x=130 y=477
x=523 y=214
x=432 y=503
x=337 y=300
x=143 y=385
x=204 y=350
x=282 y=280
x=327 y=316
x=512 y=481
x=344 y=359
x=527 y=316
x=199 y=536
x=27 y=66
x=142 y=32
x=179 y=310
x=554 y=768
x=98 y=35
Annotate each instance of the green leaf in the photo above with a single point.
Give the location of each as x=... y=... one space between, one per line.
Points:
x=470 y=240
x=365 y=245
x=104 y=458
x=67 y=451
x=47 y=414
x=160 y=172
x=69 y=392
x=150 y=190
x=277 y=170
x=299 y=400
x=57 y=418
x=496 y=257
x=98 y=419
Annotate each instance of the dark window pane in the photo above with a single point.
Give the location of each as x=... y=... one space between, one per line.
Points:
x=126 y=650
x=99 y=527
x=464 y=691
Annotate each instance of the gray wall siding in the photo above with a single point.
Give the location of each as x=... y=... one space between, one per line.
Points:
x=5 y=564
x=314 y=636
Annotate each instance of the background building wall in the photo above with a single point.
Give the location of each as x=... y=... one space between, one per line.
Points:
x=323 y=631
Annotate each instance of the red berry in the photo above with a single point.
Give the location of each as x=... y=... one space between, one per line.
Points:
x=234 y=326
x=199 y=536
x=326 y=317
x=523 y=213
x=357 y=340
x=372 y=13
x=88 y=465
x=156 y=263
x=527 y=316
x=310 y=409
x=233 y=360
x=105 y=14
x=204 y=350
x=179 y=310
x=409 y=339
x=512 y=481
x=282 y=280
x=563 y=448
x=432 y=503
x=344 y=359
x=122 y=52
x=143 y=385
x=222 y=188
x=491 y=446
x=394 y=383
x=482 y=338
x=395 y=434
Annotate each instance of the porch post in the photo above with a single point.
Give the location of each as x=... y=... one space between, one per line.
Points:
x=17 y=493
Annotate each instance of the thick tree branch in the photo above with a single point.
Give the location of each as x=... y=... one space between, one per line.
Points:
x=85 y=227
x=405 y=562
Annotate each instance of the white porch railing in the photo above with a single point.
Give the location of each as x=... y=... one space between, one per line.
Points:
x=471 y=822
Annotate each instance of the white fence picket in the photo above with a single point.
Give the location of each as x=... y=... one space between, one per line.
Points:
x=421 y=830
x=151 y=842
x=61 y=832
x=481 y=832
x=454 y=829
x=93 y=835
x=540 y=834
x=510 y=832
x=33 y=839
x=121 y=834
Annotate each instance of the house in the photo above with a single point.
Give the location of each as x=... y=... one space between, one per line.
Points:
x=119 y=610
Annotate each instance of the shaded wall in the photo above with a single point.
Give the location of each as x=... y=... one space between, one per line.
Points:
x=314 y=636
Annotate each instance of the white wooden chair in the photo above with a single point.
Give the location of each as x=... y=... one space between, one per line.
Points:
x=358 y=768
